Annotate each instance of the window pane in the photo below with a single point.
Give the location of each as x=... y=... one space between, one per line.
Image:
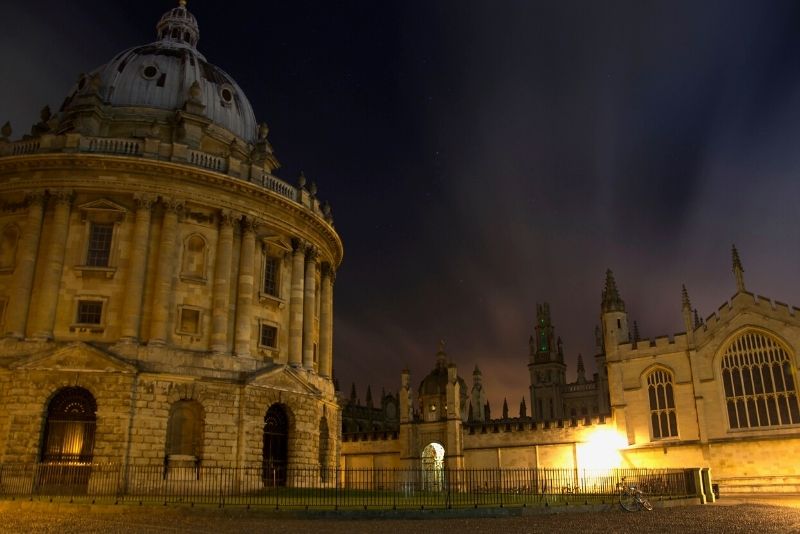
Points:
x=748 y=381
x=673 y=424
x=732 y=419
x=99 y=250
x=726 y=380
x=670 y=398
x=268 y=335
x=662 y=402
x=271 y=276
x=655 y=425
x=652 y=391
x=89 y=312
x=793 y=409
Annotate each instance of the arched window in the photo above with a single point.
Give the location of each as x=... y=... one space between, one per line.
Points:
x=185 y=430
x=324 y=446
x=663 y=421
x=8 y=247
x=193 y=265
x=70 y=426
x=276 y=446
x=759 y=382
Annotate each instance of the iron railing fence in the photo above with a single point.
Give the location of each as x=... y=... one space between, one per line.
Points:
x=333 y=488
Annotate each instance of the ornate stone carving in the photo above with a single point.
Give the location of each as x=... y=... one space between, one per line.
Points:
x=174 y=205
x=227 y=217
x=298 y=245
x=62 y=196
x=144 y=201
x=311 y=253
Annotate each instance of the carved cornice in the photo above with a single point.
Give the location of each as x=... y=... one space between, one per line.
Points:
x=161 y=172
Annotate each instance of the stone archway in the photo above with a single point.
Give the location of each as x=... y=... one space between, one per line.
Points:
x=433 y=467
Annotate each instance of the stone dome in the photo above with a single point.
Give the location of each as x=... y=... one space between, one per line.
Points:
x=435 y=383
x=168 y=73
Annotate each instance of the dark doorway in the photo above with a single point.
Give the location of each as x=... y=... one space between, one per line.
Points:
x=276 y=446
x=68 y=441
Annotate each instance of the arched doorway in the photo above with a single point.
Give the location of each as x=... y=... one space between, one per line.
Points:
x=70 y=426
x=433 y=467
x=68 y=441
x=276 y=446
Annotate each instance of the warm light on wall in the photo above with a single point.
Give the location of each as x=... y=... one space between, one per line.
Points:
x=601 y=450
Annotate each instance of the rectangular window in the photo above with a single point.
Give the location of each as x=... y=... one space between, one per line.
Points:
x=90 y=312
x=271 y=266
x=269 y=336
x=99 y=251
x=190 y=321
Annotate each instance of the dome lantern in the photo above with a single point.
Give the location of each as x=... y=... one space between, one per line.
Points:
x=178 y=25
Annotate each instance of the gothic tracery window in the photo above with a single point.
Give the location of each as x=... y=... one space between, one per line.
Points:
x=663 y=421
x=759 y=382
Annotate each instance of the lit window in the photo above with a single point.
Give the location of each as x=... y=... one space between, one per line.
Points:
x=269 y=336
x=90 y=312
x=99 y=250
x=759 y=383
x=663 y=421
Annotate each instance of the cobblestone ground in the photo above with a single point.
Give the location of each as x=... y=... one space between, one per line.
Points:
x=64 y=519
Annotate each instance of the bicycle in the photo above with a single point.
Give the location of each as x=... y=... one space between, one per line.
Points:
x=631 y=497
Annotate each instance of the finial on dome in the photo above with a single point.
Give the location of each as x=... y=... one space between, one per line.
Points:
x=182 y=3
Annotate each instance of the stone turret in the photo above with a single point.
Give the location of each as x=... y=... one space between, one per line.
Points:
x=738 y=270
x=614 y=316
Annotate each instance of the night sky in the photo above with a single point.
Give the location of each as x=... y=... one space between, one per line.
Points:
x=482 y=156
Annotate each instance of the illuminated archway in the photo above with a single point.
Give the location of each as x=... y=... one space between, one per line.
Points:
x=69 y=429
x=276 y=446
x=433 y=467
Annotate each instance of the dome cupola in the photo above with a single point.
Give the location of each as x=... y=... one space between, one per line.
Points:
x=179 y=26
x=168 y=75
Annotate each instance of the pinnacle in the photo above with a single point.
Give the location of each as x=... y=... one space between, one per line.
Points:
x=685 y=298
x=611 y=298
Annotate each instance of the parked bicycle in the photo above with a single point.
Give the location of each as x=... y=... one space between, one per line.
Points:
x=631 y=497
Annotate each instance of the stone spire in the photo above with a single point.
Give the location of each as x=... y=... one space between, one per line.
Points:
x=505 y=409
x=353 y=397
x=369 y=397
x=698 y=322
x=685 y=303
x=611 y=300
x=441 y=355
x=581 y=370
x=738 y=270
x=523 y=409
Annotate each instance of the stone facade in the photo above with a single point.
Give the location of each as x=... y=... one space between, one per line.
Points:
x=150 y=257
x=723 y=395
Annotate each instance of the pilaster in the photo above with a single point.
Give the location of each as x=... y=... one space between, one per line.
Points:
x=54 y=265
x=165 y=272
x=296 y=303
x=244 y=300
x=137 y=269
x=222 y=284
x=309 y=305
x=26 y=267
x=328 y=276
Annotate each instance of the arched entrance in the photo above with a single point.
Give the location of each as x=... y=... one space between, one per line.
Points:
x=68 y=441
x=433 y=467
x=70 y=426
x=276 y=446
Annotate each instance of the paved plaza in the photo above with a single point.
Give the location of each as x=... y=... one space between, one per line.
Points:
x=779 y=516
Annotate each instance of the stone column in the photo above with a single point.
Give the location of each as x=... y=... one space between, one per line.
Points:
x=326 y=321
x=309 y=305
x=222 y=284
x=165 y=272
x=53 y=266
x=137 y=269
x=25 y=268
x=296 y=304
x=244 y=300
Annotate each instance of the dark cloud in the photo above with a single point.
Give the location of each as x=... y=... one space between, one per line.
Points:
x=485 y=156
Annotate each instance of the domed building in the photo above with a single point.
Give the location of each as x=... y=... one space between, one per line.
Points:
x=165 y=299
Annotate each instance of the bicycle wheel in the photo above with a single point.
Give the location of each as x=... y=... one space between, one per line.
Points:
x=628 y=500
